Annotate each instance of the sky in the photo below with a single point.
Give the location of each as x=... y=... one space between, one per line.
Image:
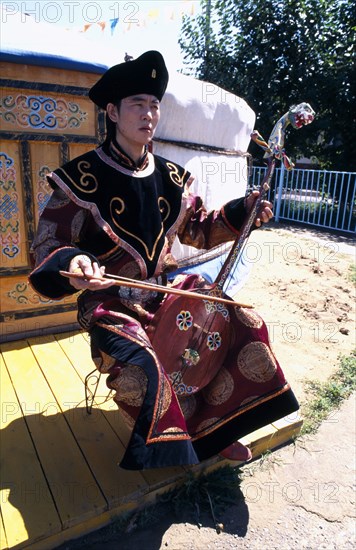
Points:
x=126 y=26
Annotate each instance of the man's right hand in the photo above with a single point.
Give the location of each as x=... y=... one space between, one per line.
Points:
x=92 y=274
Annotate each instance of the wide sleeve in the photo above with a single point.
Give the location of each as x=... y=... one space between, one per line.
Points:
x=205 y=230
x=55 y=245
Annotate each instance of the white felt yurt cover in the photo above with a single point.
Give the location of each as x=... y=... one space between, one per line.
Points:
x=192 y=112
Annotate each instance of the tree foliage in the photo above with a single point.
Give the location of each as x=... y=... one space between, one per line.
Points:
x=275 y=53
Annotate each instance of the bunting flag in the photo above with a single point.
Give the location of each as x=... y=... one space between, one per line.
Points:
x=113 y=23
x=153 y=14
x=185 y=7
x=102 y=25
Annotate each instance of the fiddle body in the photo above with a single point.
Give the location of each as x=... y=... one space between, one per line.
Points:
x=191 y=338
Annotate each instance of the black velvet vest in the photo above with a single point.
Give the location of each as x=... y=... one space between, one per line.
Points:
x=135 y=208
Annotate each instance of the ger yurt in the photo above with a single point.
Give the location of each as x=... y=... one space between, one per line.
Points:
x=47 y=119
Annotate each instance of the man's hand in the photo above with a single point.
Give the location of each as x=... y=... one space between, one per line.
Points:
x=264 y=213
x=92 y=274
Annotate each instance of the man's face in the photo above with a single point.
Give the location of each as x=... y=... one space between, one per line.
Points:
x=137 y=118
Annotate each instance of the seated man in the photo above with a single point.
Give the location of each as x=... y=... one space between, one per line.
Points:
x=119 y=208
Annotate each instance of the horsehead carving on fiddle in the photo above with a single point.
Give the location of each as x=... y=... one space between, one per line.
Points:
x=192 y=337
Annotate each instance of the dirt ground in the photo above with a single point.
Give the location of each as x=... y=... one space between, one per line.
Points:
x=300 y=284
x=301 y=495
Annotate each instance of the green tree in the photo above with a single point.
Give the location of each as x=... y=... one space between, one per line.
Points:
x=278 y=53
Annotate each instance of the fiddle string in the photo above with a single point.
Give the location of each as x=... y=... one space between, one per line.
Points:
x=234 y=255
x=202 y=329
x=242 y=242
x=198 y=340
x=231 y=276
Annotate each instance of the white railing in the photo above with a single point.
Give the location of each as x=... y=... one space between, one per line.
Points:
x=315 y=197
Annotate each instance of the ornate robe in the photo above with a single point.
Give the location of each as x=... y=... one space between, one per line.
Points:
x=207 y=375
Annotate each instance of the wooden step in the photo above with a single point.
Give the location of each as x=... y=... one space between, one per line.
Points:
x=60 y=474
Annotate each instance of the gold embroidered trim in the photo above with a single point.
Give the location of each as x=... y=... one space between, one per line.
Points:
x=120 y=210
x=174 y=174
x=86 y=178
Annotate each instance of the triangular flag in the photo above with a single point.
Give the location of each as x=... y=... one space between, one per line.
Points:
x=153 y=14
x=113 y=23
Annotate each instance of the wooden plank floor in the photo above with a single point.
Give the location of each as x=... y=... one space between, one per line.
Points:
x=59 y=477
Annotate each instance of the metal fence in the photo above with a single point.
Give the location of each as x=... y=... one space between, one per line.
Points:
x=315 y=197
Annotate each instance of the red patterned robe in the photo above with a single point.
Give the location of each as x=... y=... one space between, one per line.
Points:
x=189 y=378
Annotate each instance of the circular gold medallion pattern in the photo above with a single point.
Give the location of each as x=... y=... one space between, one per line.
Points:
x=173 y=430
x=220 y=389
x=256 y=362
x=167 y=397
x=206 y=424
x=248 y=400
x=130 y=385
x=249 y=317
x=188 y=405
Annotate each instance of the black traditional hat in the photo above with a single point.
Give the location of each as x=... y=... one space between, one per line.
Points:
x=145 y=75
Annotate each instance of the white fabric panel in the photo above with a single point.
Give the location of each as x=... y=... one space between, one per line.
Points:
x=198 y=112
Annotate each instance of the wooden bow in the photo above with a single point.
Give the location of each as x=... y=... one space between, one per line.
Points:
x=133 y=283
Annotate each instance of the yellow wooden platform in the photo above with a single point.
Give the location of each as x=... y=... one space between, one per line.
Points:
x=59 y=473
